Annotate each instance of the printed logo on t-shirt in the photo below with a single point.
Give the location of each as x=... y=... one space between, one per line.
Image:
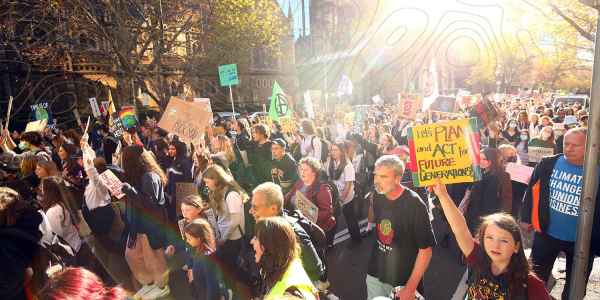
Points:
x=485 y=289
x=565 y=190
x=385 y=235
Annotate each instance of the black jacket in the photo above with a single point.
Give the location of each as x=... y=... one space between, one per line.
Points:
x=538 y=194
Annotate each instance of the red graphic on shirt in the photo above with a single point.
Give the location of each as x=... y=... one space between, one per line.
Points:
x=385 y=233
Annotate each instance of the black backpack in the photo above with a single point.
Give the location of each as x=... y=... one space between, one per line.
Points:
x=317 y=235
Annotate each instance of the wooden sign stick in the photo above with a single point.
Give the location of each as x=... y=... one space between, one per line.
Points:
x=10 y=102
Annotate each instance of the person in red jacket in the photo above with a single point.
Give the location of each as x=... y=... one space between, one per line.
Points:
x=498 y=268
x=317 y=191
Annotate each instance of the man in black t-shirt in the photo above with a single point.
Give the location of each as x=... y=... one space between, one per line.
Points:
x=259 y=154
x=283 y=170
x=403 y=248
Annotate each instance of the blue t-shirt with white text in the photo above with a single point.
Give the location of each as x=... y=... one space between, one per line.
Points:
x=566 y=184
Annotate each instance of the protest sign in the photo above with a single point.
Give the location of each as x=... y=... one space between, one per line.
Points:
x=116 y=127
x=484 y=110
x=537 y=153
x=36 y=125
x=570 y=120
x=519 y=173
x=182 y=190
x=104 y=107
x=444 y=104
x=408 y=107
x=95 y=107
x=228 y=75
x=113 y=183
x=288 y=124
x=360 y=115
x=308 y=209
x=377 y=100
x=447 y=150
x=188 y=120
x=205 y=102
x=128 y=117
x=41 y=111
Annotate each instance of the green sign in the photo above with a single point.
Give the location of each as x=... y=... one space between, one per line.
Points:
x=280 y=106
x=228 y=75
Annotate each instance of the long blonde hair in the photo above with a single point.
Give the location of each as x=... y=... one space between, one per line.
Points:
x=226 y=147
x=223 y=182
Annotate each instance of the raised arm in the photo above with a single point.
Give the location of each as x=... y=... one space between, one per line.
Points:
x=455 y=219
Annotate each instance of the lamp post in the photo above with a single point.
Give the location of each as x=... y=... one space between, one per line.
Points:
x=590 y=177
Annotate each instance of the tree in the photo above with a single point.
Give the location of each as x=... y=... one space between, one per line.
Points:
x=146 y=41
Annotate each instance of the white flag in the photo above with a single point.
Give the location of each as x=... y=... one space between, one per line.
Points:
x=345 y=87
x=432 y=90
x=308 y=105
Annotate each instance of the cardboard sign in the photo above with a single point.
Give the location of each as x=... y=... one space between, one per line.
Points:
x=519 y=173
x=308 y=209
x=182 y=190
x=39 y=125
x=288 y=125
x=408 y=107
x=447 y=150
x=95 y=108
x=113 y=183
x=188 y=120
x=537 y=153
x=228 y=75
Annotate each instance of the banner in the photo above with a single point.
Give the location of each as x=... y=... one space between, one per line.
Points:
x=188 y=120
x=308 y=105
x=95 y=108
x=280 y=104
x=408 y=107
x=448 y=151
x=38 y=126
x=537 y=153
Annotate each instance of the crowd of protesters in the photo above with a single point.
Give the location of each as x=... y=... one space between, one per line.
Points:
x=242 y=236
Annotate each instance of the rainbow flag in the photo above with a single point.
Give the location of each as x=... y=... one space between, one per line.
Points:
x=128 y=117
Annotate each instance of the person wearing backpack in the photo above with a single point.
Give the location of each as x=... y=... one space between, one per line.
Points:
x=311 y=144
x=267 y=201
x=319 y=192
x=340 y=172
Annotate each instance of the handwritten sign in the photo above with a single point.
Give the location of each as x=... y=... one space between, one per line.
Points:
x=308 y=209
x=519 y=173
x=537 y=153
x=116 y=126
x=408 y=107
x=95 y=108
x=113 y=183
x=36 y=125
x=288 y=124
x=188 y=120
x=448 y=151
x=228 y=75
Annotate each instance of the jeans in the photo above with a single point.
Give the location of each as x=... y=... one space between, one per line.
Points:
x=543 y=254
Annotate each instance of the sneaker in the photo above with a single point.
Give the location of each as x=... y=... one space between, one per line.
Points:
x=322 y=285
x=143 y=291
x=157 y=293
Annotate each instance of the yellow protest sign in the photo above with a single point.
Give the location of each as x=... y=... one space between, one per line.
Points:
x=36 y=125
x=447 y=150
